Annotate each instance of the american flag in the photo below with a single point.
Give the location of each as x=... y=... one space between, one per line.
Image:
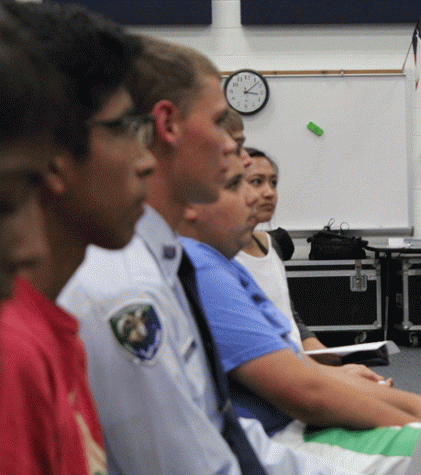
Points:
x=416 y=38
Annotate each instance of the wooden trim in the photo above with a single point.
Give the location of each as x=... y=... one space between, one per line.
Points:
x=324 y=72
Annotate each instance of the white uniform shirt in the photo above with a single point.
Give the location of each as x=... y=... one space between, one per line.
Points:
x=158 y=408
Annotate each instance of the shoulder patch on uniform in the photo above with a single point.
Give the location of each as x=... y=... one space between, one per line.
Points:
x=137 y=328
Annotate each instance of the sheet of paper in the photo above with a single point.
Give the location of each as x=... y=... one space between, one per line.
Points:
x=346 y=350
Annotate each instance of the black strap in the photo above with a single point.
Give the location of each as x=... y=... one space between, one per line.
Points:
x=233 y=432
x=277 y=237
x=260 y=244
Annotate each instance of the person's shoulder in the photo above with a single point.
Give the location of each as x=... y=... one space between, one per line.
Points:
x=110 y=272
x=13 y=325
x=111 y=283
x=25 y=342
x=210 y=265
x=24 y=314
x=99 y=262
x=204 y=257
x=192 y=246
x=27 y=383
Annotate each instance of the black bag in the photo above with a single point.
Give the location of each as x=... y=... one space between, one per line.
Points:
x=331 y=244
x=282 y=243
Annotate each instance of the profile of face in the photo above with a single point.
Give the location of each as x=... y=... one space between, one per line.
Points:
x=227 y=224
x=203 y=146
x=263 y=178
x=106 y=191
x=239 y=138
x=22 y=240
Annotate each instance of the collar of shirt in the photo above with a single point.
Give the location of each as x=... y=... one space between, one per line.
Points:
x=161 y=241
x=202 y=254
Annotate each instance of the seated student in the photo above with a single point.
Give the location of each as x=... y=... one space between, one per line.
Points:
x=148 y=368
x=299 y=330
x=270 y=379
x=92 y=193
x=29 y=96
x=260 y=256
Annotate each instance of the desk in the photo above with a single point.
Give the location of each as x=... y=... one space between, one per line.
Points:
x=388 y=252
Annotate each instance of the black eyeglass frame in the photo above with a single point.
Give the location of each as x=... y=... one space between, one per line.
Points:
x=130 y=122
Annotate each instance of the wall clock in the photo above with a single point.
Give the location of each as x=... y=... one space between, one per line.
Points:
x=246 y=91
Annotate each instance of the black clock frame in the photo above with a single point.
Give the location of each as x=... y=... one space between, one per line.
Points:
x=256 y=73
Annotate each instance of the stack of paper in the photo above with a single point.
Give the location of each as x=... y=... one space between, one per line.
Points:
x=366 y=353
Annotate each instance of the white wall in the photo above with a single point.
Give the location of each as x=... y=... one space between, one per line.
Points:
x=232 y=46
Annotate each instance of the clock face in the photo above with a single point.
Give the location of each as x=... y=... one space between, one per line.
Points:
x=246 y=91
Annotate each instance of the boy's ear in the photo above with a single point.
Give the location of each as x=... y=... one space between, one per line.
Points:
x=167 y=125
x=190 y=214
x=58 y=170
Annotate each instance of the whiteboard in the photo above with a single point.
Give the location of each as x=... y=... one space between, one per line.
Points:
x=358 y=170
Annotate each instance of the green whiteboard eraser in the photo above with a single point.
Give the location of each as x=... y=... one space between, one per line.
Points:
x=314 y=128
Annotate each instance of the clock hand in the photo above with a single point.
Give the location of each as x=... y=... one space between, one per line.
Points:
x=255 y=93
x=250 y=88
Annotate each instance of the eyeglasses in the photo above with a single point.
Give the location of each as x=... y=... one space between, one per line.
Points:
x=139 y=126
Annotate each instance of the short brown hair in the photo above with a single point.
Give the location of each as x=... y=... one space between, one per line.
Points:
x=170 y=71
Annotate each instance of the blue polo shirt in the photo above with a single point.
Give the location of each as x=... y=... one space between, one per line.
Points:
x=244 y=323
